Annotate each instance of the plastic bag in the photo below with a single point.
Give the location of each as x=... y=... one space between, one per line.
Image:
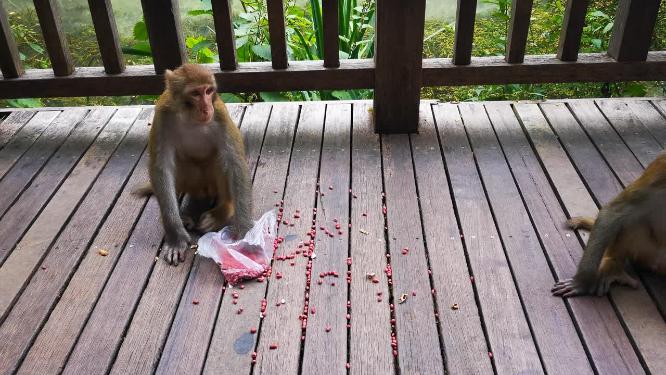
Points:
x=247 y=258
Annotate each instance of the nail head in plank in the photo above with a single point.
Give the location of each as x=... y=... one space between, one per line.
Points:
x=278 y=37
x=633 y=29
x=10 y=60
x=554 y=333
x=465 y=347
x=279 y=325
x=572 y=29
x=48 y=13
x=162 y=19
x=464 y=35
x=610 y=349
x=398 y=62
x=510 y=340
x=224 y=34
x=331 y=30
x=107 y=35
x=519 y=26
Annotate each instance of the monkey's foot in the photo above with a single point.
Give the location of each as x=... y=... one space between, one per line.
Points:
x=175 y=252
x=209 y=222
x=188 y=222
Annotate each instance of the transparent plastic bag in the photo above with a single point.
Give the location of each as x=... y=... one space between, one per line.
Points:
x=243 y=259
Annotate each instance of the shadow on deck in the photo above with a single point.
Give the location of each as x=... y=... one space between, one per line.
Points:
x=472 y=235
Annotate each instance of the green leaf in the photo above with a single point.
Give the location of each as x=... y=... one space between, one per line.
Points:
x=263 y=51
x=230 y=98
x=140 y=32
x=634 y=89
x=273 y=97
x=596 y=43
x=343 y=55
x=200 y=12
x=608 y=27
x=599 y=14
x=342 y=95
x=36 y=47
x=24 y=103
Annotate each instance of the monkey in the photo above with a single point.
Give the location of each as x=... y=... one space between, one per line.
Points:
x=197 y=152
x=629 y=229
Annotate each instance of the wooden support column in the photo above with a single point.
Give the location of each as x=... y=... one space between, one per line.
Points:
x=277 y=33
x=10 y=62
x=462 y=45
x=164 y=33
x=224 y=33
x=633 y=28
x=572 y=29
x=54 y=37
x=398 y=63
x=331 y=32
x=107 y=35
x=521 y=11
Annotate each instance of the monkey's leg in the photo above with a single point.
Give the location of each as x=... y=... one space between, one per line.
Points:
x=192 y=209
x=612 y=271
x=220 y=215
x=581 y=222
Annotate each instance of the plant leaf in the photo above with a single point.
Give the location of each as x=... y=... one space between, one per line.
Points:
x=140 y=32
x=263 y=51
x=273 y=97
x=230 y=98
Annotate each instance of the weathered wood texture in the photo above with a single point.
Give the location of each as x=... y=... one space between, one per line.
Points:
x=278 y=36
x=632 y=29
x=12 y=124
x=572 y=29
x=519 y=26
x=162 y=19
x=10 y=60
x=330 y=15
x=224 y=34
x=107 y=35
x=54 y=37
x=398 y=61
x=462 y=43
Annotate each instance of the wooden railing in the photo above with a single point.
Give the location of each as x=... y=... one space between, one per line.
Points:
x=396 y=74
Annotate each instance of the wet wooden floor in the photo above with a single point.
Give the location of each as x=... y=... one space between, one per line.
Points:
x=463 y=221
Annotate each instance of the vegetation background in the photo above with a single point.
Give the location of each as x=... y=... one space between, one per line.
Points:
x=305 y=37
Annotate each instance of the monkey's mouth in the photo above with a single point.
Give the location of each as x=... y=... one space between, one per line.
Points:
x=204 y=118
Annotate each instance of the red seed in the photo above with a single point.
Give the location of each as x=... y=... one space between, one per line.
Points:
x=278 y=275
x=313 y=310
x=330 y=188
x=195 y=301
x=273 y=346
x=43 y=267
x=333 y=284
x=328 y=329
x=375 y=281
x=348 y=365
x=234 y=302
x=253 y=330
x=240 y=311
x=414 y=294
x=254 y=355
x=490 y=354
x=379 y=299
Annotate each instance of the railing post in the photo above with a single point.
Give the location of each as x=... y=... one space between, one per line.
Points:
x=54 y=37
x=10 y=63
x=224 y=33
x=398 y=65
x=107 y=35
x=572 y=30
x=462 y=45
x=164 y=33
x=276 y=29
x=521 y=11
x=632 y=30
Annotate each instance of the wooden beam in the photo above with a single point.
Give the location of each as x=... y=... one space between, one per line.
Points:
x=633 y=28
x=398 y=59
x=331 y=32
x=224 y=33
x=107 y=35
x=164 y=32
x=10 y=61
x=352 y=74
x=54 y=38
x=572 y=29
x=519 y=27
x=462 y=44
x=277 y=33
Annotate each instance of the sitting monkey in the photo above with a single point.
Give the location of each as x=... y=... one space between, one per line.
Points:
x=630 y=228
x=196 y=149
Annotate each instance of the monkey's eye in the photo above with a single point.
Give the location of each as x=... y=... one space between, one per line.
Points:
x=209 y=91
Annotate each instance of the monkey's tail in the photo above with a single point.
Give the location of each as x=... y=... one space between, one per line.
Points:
x=581 y=222
x=144 y=190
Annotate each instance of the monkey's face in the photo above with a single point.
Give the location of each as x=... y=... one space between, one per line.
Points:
x=199 y=100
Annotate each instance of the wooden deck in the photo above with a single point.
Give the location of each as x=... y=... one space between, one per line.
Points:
x=478 y=198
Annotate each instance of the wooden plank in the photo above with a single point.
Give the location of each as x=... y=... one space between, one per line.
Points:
x=280 y=324
x=150 y=324
x=572 y=29
x=10 y=60
x=331 y=30
x=12 y=124
x=415 y=326
x=23 y=140
x=325 y=346
x=464 y=36
x=352 y=74
x=253 y=131
x=232 y=341
x=650 y=117
x=465 y=347
x=638 y=311
x=398 y=61
x=20 y=216
x=554 y=332
x=56 y=339
x=609 y=348
x=107 y=35
x=519 y=27
x=35 y=244
x=33 y=306
x=661 y=106
x=48 y=13
x=278 y=37
x=509 y=337
x=632 y=29
x=27 y=167
x=164 y=33
x=224 y=34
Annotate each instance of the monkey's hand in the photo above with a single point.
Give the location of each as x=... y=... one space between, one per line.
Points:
x=571 y=288
x=174 y=249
